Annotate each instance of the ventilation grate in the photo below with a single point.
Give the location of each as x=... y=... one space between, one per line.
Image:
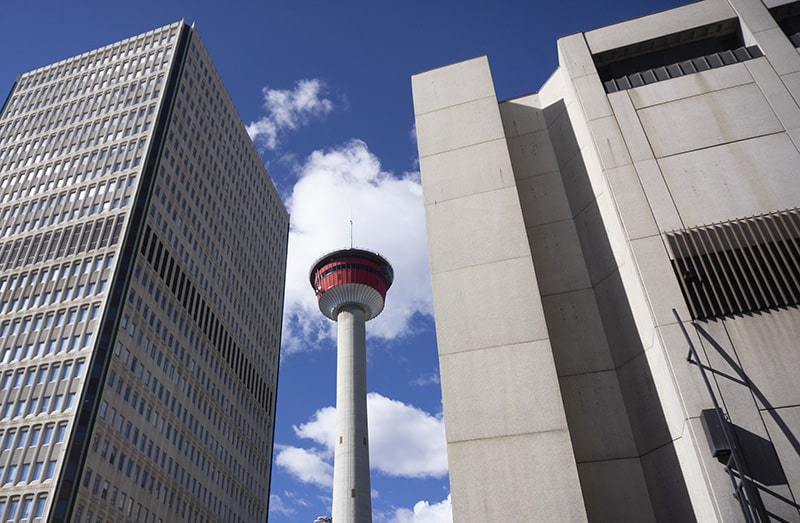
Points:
x=739 y=267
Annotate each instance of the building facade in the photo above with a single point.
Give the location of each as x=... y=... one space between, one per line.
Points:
x=585 y=238
x=142 y=262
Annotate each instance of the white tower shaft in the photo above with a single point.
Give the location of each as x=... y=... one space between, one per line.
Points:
x=351 y=488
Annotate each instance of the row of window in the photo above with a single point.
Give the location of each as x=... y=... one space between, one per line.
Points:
x=39 y=375
x=24 y=508
x=51 y=319
x=71 y=240
x=73 y=74
x=66 y=140
x=36 y=406
x=33 y=437
x=70 y=292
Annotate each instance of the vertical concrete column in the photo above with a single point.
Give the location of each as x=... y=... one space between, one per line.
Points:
x=351 y=488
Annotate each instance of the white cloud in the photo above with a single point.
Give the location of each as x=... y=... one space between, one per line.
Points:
x=404 y=441
x=305 y=465
x=278 y=506
x=428 y=379
x=333 y=187
x=287 y=110
x=424 y=512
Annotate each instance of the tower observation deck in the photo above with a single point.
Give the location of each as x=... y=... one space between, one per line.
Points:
x=351 y=286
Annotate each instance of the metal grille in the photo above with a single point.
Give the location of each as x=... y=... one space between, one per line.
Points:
x=739 y=267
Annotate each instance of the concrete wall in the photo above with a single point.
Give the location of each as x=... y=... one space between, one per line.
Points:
x=585 y=185
x=509 y=448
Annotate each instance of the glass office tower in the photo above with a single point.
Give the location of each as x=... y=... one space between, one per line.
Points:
x=142 y=262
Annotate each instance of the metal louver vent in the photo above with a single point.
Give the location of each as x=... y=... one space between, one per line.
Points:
x=739 y=267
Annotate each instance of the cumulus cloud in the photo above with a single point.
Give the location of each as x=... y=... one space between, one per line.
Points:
x=424 y=512
x=288 y=109
x=305 y=465
x=334 y=187
x=404 y=442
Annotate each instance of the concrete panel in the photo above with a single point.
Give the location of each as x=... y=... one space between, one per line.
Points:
x=696 y=476
x=717 y=479
x=766 y=345
x=631 y=203
x=625 y=498
x=458 y=126
x=595 y=242
x=615 y=233
x=753 y=15
x=792 y=83
x=592 y=96
x=574 y=57
x=576 y=333
x=598 y=421
x=562 y=136
x=734 y=180
x=609 y=143
x=692 y=85
x=658 y=278
x=776 y=92
x=552 y=91
x=577 y=185
x=666 y=486
x=475 y=229
x=522 y=115
x=738 y=393
x=691 y=389
x=783 y=426
x=663 y=23
x=630 y=126
x=779 y=50
x=487 y=306
x=543 y=199
x=636 y=297
x=660 y=362
x=643 y=405
x=558 y=257
x=467 y=171
x=623 y=334
x=514 y=478
x=452 y=85
x=515 y=374
x=532 y=154
x=658 y=196
x=709 y=119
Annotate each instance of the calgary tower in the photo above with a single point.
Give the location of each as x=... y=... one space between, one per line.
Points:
x=351 y=287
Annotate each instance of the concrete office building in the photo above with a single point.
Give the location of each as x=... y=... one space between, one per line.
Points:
x=656 y=169
x=142 y=261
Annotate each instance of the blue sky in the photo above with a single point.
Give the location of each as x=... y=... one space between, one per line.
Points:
x=324 y=88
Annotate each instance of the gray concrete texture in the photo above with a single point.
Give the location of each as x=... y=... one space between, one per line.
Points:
x=554 y=290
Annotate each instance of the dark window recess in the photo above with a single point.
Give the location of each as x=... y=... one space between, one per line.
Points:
x=152 y=248
x=788 y=18
x=739 y=267
x=673 y=55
